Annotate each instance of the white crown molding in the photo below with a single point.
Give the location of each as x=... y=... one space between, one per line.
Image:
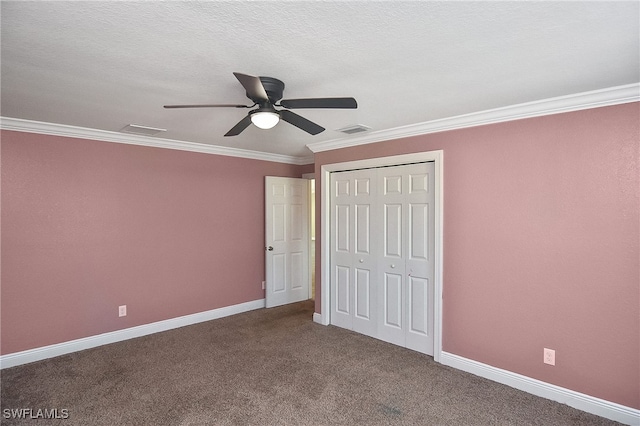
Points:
x=30 y=126
x=580 y=401
x=37 y=354
x=301 y=161
x=586 y=100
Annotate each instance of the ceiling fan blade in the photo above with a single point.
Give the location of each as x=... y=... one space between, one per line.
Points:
x=301 y=122
x=253 y=86
x=343 y=103
x=238 y=128
x=209 y=106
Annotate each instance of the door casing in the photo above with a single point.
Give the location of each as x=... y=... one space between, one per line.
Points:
x=325 y=244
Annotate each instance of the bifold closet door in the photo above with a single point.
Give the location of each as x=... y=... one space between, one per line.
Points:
x=353 y=236
x=382 y=253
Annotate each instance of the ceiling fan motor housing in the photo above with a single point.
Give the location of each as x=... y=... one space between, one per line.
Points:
x=273 y=87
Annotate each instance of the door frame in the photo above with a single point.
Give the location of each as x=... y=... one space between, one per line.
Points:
x=325 y=243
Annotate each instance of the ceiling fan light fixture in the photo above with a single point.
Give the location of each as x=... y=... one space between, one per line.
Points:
x=266 y=92
x=265 y=119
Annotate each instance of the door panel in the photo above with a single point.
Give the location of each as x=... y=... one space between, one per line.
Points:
x=393 y=230
x=392 y=183
x=363 y=186
x=287 y=260
x=393 y=300
x=297 y=221
x=279 y=262
x=418 y=234
x=363 y=296
x=342 y=300
x=342 y=230
x=278 y=223
x=419 y=183
x=418 y=295
x=297 y=268
x=362 y=228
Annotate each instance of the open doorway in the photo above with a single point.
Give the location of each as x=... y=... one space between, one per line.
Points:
x=312 y=233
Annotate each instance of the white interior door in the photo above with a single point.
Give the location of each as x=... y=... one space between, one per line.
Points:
x=382 y=235
x=286 y=240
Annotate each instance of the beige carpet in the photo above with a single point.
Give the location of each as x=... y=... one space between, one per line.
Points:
x=267 y=367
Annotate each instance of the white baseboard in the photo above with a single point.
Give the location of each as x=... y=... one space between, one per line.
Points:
x=37 y=354
x=319 y=319
x=590 y=404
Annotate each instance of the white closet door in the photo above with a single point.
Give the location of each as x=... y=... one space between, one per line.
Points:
x=353 y=297
x=382 y=233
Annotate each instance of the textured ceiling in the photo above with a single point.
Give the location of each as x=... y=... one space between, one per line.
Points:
x=104 y=65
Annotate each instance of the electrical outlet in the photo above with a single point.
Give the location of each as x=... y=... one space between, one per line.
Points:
x=122 y=311
x=263 y=284
x=549 y=356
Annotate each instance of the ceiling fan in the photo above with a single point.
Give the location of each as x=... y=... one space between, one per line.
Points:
x=265 y=92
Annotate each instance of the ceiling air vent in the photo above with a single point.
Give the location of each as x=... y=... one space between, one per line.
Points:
x=356 y=128
x=141 y=130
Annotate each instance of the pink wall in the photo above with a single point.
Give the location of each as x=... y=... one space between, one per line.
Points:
x=541 y=245
x=88 y=226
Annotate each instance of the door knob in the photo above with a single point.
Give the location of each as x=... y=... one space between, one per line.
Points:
x=361 y=260
x=393 y=266
x=270 y=248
